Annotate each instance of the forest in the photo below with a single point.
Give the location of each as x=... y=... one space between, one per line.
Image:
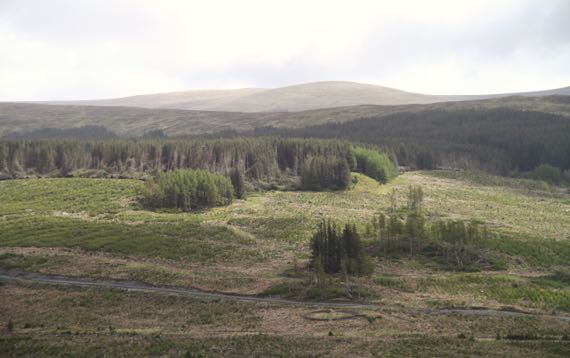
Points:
x=503 y=141
x=263 y=162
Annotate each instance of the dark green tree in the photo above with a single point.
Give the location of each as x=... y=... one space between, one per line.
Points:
x=238 y=183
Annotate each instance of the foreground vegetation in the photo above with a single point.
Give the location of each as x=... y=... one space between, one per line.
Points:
x=107 y=322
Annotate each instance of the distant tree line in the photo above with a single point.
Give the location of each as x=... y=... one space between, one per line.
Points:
x=318 y=164
x=90 y=132
x=497 y=140
x=187 y=190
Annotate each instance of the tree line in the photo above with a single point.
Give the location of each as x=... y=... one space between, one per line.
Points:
x=502 y=140
x=318 y=164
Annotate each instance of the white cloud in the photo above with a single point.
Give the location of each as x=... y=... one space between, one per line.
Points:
x=65 y=49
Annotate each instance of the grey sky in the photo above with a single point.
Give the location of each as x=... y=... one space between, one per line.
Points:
x=71 y=49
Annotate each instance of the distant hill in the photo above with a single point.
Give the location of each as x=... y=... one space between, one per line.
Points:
x=89 y=132
x=308 y=96
x=134 y=121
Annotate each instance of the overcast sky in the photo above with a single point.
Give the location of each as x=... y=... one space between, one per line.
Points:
x=72 y=49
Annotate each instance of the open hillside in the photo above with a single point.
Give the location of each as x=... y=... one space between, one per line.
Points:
x=291 y=98
x=131 y=121
x=302 y=97
x=93 y=229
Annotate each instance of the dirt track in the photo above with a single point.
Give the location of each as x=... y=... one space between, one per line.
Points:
x=134 y=286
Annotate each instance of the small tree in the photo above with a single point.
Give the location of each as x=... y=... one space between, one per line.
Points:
x=336 y=253
x=415 y=198
x=238 y=183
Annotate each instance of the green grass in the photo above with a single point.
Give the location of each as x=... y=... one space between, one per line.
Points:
x=505 y=289
x=93 y=227
x=93 y=196
x=498 y=202
x=253 y=242
x=26 y=262
x=182 y=241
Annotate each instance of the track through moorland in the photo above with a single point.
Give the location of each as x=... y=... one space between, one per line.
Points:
x=136 y=286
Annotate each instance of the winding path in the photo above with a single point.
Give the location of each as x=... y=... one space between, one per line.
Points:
x=135 y=286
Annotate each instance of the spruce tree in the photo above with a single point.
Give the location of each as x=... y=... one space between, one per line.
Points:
x=238 y=183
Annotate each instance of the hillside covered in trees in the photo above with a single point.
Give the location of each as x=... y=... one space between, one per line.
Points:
x=23 y=118
x=498 y=140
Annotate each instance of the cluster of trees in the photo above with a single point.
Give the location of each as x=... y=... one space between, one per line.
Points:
x=256 y=159
x=335 y=251
x=459 y=242
x=187 y=190
x=498 y=140
x=455 y=243
x=396 y=235
x=374 y=164
x=550 y=174
x=325 y=173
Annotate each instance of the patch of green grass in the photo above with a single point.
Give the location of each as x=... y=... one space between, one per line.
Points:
x=29 y=262
x=424 y=346
x=138 y=345
x=504 y=289
x=532 y=252
x=503 y=207
x=307 y=290
x=484 y=179
x=93 y=196
x=182 y=241
x=216 y=313
x=392 y=282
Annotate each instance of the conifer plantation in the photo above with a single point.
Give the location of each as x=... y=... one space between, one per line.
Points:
x=317 y=164
x=188 y=189
x=500 y=140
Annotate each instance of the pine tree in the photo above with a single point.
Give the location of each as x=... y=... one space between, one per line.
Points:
x=238 y=183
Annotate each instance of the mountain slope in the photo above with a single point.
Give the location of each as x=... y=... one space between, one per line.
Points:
x=301 y=97
x=204 y=100
x=324 y=95
x=308 y=96
x=133 y=121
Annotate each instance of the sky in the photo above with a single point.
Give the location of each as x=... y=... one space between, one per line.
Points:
x=86 y=49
